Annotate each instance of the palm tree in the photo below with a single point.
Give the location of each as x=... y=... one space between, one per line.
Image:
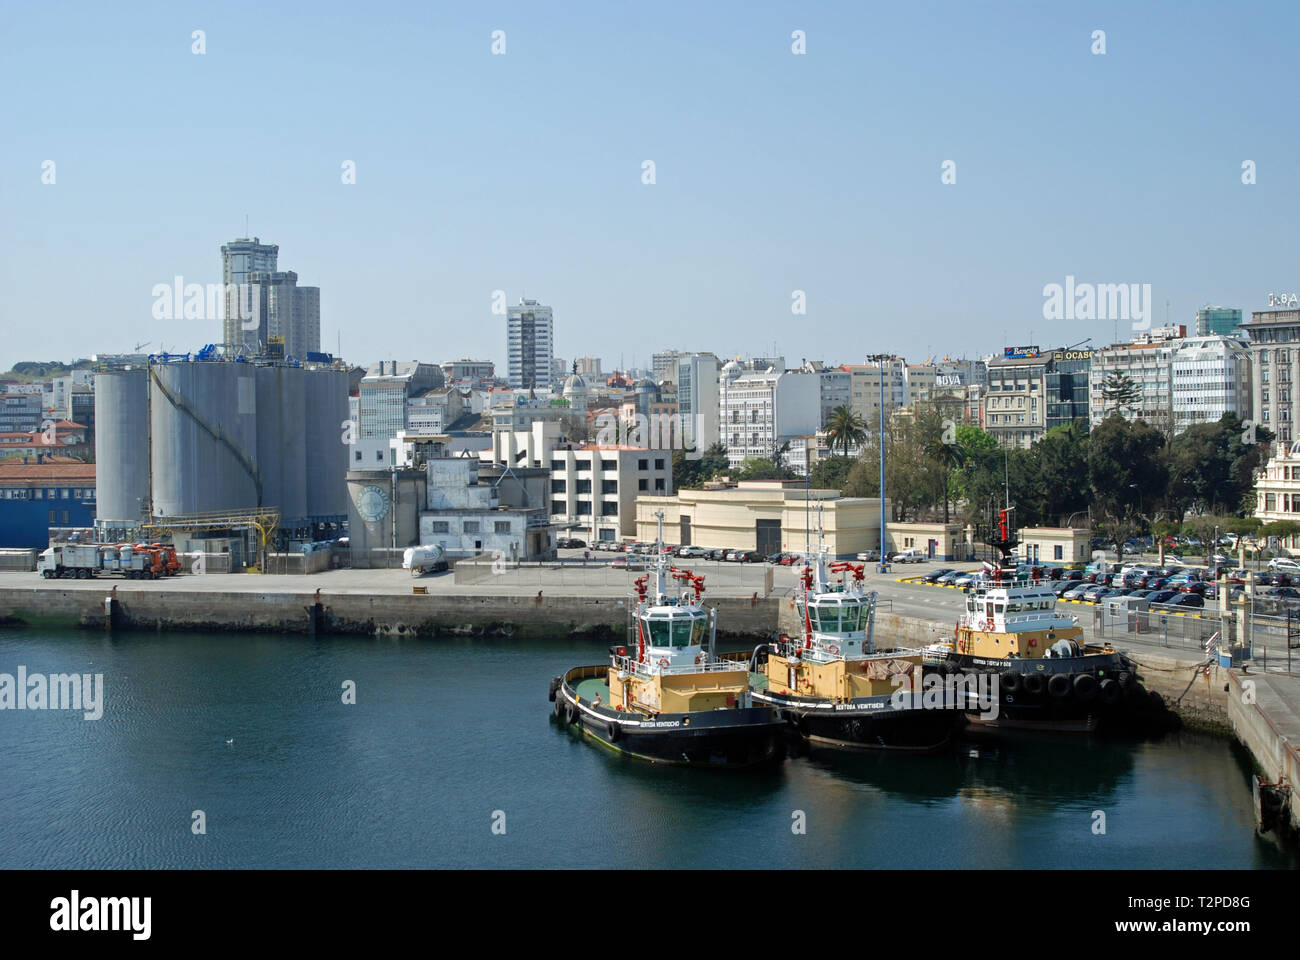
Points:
x=949 y=457
x=846 y=429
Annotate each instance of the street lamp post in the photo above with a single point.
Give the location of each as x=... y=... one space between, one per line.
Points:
x=882 y=357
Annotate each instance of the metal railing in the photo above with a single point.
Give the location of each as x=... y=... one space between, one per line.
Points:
x=704 y=666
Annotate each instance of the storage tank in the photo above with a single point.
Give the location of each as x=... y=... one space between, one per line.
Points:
x=282 y=441
x=121 y=446
x=327 y=455
x=204 y=437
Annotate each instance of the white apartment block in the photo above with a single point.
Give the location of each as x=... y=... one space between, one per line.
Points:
x=594 y=488
x=696 y=377
x=864 y=389
x=761 y=410
x=1211 y=376
x=1148 y=362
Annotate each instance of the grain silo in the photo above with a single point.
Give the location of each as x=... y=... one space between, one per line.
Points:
x=121 y=448
x=204 y=437
x=282 y=442
x=327 y=455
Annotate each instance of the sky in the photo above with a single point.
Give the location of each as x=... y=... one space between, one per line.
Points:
x=774 y=172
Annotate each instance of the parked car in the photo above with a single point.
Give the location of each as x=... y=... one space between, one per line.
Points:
x=1077 y=591
x=910 y=556
x=1095 y=593
x=1284 y=563
x=952 y=577
x=1186 y=600
x=869 y=555
x=1064 y=586
x=964 y=581
x=1161 y=596
x=934 y=575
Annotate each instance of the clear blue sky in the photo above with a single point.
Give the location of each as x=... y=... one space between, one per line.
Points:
x=522 y=172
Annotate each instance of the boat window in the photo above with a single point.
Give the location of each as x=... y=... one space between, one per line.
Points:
x=1015 y=607
x=829 y=617
x=659 y=633
x=682 y=632
x=1000 y=608
x=697 y=632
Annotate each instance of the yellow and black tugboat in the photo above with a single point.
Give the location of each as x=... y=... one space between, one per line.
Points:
x=835 y=686
x=669 y=699
x=1047 y=676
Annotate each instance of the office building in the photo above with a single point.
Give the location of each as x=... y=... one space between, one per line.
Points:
x=530 y=345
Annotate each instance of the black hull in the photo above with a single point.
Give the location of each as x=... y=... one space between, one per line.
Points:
x=866 y=724
x=726 y=739
x=1065 y=694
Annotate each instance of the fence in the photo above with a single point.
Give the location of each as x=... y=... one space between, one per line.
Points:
x=1274 y=641
x=722 y=579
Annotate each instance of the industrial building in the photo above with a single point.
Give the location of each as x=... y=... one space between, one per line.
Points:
x=40 y=494
x=213 y=447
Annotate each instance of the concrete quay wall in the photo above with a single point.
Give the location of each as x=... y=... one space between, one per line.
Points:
x=357 y=613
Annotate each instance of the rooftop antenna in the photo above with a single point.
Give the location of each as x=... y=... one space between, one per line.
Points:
x=245 y=224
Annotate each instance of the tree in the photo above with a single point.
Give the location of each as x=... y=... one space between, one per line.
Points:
x=948 y=456
x=691 y=474
x=831 y=473
x=1062 y=461
x=761 y=468
x=1127 y=472
x=1119 y=390
x=845 y=429
x=1212 y=465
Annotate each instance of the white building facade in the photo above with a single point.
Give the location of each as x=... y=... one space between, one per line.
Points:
x=1211 y=376
x=530 y=345
x=761 y=410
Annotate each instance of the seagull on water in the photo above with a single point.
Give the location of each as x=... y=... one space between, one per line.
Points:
x=230 y=741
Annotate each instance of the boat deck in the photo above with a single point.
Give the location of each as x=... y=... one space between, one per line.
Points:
x=593 y=687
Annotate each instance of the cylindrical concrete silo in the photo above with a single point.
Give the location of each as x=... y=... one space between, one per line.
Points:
x=121 y=447
x=204 y=418
x=327 y=455
x=282 y=441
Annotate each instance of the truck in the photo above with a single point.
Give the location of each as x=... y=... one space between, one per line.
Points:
x=424 y=559
x=85 y=560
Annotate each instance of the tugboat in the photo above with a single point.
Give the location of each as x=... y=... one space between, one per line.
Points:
x=1047 y=677
x=670 y=699
x=834 y=686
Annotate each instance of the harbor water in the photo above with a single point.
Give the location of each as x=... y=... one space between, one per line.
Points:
x=448 y=758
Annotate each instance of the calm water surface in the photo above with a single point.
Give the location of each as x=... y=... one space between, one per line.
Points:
x=446 y=732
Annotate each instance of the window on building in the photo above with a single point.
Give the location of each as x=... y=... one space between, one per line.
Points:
x=643 y=464
x=51 y=516
x=1058 y=552
x=584 y=486
x=608 y=465
x=609 y=509
x=609 y=486
x=471 y=526
x=642 y=484
x=583 y=508
x=659 y=463
x=659 y=483
x=357 y=456
x=501 y=526
x=582 y=464
x=439 y=526
x=557 y=506
x=558 y=486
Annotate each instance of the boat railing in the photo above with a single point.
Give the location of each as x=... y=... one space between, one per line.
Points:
x=632 y=665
